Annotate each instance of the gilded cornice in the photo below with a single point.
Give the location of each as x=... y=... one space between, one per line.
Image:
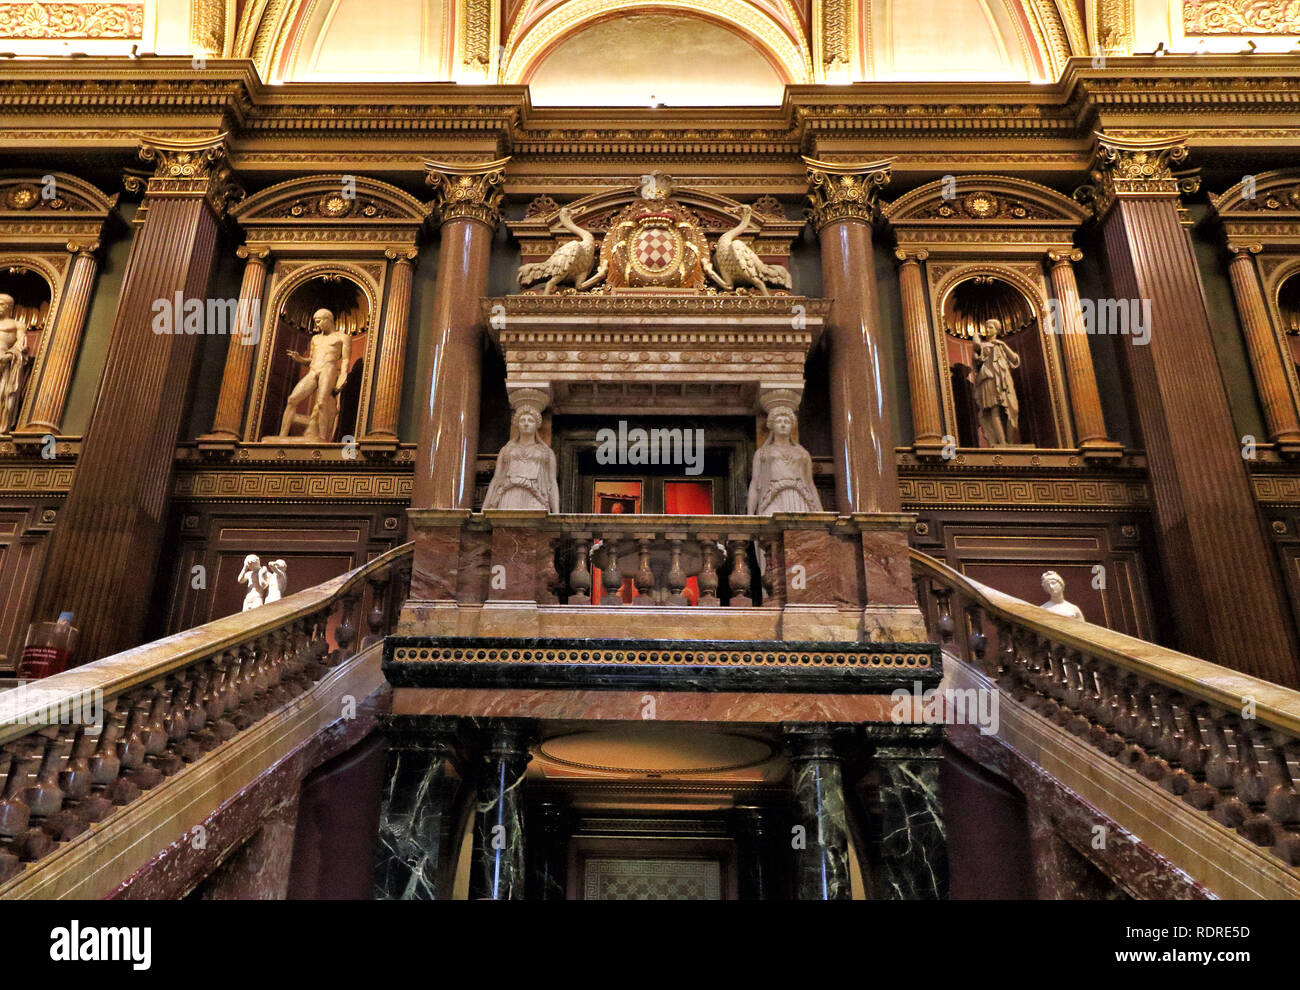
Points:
x=845 y=191
x=468 y=192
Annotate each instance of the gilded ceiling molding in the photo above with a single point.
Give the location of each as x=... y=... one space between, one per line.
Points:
x=1075 y=32
x=250 y=18
x=1133 y=167
x=1111 y=26
x=528 y=45
x=468 y=192
x=208 y=27
x=268 y=39
x=96 y=21
x=845 y=191
x=1233 y=17
x=478 y=30
x=832 y=23
x=1045 y=19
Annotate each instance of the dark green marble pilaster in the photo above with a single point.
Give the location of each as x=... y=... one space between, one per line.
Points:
x=821 y=850
x=498 y=870
x=416 y=808
x=913 y=844
x=763 y=843
x=549 y=826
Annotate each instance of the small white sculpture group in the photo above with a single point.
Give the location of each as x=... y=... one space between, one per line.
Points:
x=265 y=584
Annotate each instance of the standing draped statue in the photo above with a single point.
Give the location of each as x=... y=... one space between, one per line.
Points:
x=13 y=352
x=782 y=480
x=525 y=473
x=995 y=391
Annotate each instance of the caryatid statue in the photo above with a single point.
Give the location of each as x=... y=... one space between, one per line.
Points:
x=782 y=480
x=13 y=352
x=525 y=475
x=995 y=391
x=327 y=373
x=1054 y=585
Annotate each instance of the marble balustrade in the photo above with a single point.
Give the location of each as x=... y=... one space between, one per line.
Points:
x=77 y=747
x=1225 y=743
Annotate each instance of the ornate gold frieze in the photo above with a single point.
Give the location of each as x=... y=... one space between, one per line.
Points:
x=468 y=192
x=1042 y=494
x=98 y=21
x=844 y=191
x=27 y=480
x=1236 y=17
x=253 y=485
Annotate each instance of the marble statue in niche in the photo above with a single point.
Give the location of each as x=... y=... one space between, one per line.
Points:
x=782 y=480
x=275 y=579
x=13 y=352
x=1054 y=585
x=251 y=575
x=525 y=475
x=995 y=390
x=327 y=373
x=569 y=262
x=737 y=262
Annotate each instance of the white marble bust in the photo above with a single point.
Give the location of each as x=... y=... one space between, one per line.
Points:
x=1054 y=585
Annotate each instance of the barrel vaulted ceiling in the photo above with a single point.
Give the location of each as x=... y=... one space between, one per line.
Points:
x=638 y=52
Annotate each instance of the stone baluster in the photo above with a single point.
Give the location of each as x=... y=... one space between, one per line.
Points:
x=377 y=616
x=75 y=780
x=548 y=578
x=14 y=813
x=644 y=579
x=977 y=641
x=580 y=576
x=676 y=575
x=1221 y=773
x=345 y=633
x=611 y=577
x=1252 y=786
x=1169 y=744
x=708 y=576
x=944 y=624
x=1283 y=802
x=1194 y=757
x=44 y=797
x=1007 y=657
x=738 y=580
x=108 y=787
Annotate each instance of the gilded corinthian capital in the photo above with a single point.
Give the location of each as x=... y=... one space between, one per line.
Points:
x=468 y=192
x=1135 y=167
x=844 y=192
x=195 y=167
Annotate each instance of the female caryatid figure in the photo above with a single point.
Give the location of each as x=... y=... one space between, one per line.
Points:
x=525 y=472
x=783 y=478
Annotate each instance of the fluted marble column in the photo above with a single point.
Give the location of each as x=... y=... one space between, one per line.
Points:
x=468 y=199
x=498 y=870
x=228 y=421
x=1224 y=589
x=821 y=849
x=922 y=366
x=416 y=809
x=392 y=349
x=843 y=205
x=913 y=844
x=103 y=552
x=1085 y=400
x=1265 y=349
x=45 y=412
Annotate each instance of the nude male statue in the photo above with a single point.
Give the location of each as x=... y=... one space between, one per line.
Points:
x=13 y=350
x=327 y=373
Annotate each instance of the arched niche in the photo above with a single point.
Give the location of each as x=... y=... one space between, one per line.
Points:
x=31 y=290
x=353 y=302
x=967 y=305
x=1288 y=312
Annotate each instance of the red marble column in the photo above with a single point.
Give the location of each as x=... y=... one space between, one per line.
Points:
x=469 y=197
x=392 y=349
x=1224 y=590
x=844 y=203
x=1266 y=354
x=227 y=424
x=104 y=550
x=51 y=392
